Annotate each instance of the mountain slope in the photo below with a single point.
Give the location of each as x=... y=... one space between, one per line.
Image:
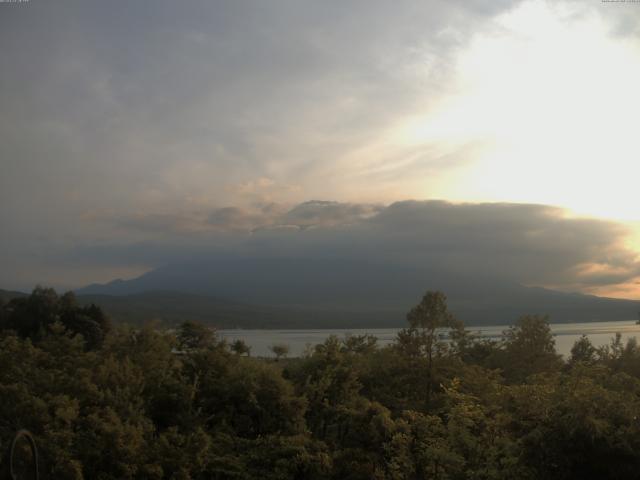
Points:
x=331 y=293
x=171 y=308
x=6 y=295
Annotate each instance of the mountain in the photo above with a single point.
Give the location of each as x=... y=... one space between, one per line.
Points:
x=171 y=308
x=332 y=293
x=6 y=295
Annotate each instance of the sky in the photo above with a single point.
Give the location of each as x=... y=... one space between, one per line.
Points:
x=482 y=135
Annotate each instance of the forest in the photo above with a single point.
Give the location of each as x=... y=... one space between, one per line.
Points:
x=106 y=401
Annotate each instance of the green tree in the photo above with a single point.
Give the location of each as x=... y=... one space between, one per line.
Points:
x=421 y=338
x=529 y=347
x=32 y=316
x=195 y=335
x=242 y=396
x=583 y=351
x=620 y=356
x=89 y=321
x=240 y=347
x=280 y=350
x=361 y=344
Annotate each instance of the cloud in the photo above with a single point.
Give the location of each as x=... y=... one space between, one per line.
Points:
x=324 y=213
x=132 y=136
x=236 y=219
x=159 y=223
x=532 y=244
x=529 y=244
x=260 y=216
x=146 y=108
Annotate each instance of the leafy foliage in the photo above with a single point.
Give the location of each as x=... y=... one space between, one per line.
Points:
x=32 y=316
x=141 y=403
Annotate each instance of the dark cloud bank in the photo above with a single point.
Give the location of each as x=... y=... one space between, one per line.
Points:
x=172 y=106
x=374 y=258
x=530 y=244
x=123 y=125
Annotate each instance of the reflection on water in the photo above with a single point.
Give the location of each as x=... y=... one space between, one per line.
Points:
x=600 y=333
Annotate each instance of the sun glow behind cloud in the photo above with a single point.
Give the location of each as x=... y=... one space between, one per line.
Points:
x=125 y=129
x=553 y=95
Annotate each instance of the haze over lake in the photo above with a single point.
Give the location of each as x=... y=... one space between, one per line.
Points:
x=600 y=333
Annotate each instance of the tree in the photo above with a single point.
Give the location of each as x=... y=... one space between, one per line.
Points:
x=30 y=316
x=243 y=396
x=361 y=344
x=240 y=347
x=424 y=319
x=529 y=348
x=583 y=351
x=195 y=335
x=279 y=350
x=89 y=321
x=33 y=316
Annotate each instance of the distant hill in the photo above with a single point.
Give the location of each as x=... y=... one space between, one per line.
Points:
x=171 y=308
x=6 y=295
x=297 y=293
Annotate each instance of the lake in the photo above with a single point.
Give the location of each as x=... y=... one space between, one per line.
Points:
x=565 y=334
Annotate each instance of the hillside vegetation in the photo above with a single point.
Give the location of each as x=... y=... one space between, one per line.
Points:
x=107 y=402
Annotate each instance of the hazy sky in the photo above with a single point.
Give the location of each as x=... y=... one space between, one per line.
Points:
x=136 y=133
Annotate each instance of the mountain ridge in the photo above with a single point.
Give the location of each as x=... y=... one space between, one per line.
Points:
x=347 y=293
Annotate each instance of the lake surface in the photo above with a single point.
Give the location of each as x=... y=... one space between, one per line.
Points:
x=565 y=334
